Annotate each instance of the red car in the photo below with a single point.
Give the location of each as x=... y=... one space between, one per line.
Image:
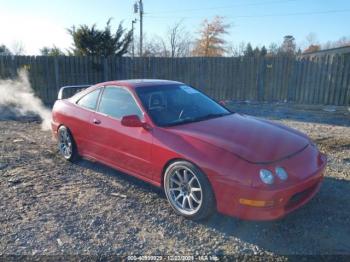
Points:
x=204 y=156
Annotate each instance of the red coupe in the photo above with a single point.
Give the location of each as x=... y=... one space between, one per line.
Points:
x=204 y=156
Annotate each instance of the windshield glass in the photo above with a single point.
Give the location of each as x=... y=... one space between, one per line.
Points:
x=178 y=104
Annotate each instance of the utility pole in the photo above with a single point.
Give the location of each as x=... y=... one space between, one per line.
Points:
x=133 y=40
x=141 y=24
x=138 y=8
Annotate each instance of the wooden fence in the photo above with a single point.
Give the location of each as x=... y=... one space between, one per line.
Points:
x=317 y=80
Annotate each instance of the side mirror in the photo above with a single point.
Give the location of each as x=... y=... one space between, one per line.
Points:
x=133 y=121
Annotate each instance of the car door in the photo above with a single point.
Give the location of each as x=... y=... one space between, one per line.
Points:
x=78 y=120
x=128 y=148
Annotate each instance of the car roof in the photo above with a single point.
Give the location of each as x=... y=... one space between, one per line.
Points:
x=134 y=83
x=130 y=83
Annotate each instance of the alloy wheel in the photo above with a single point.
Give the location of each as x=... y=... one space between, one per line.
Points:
x=65 y=143
x=184 y=190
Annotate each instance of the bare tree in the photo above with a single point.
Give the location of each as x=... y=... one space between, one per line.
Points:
x=18 y=48
x=179 y=42
x=273 y=49
x=343 y=41
x=236 y=50
x=311 y=39
x=176 y=43
x=154 y=47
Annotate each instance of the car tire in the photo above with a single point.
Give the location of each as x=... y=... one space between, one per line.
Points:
x=188 y=191
x=66 y=144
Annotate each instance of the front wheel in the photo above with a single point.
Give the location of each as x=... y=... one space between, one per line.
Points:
x=66 y=144
x=188 y=191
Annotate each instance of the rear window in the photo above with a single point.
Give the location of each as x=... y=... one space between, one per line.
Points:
x=89 y=100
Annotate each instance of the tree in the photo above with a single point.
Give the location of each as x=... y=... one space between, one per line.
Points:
x=298 y=53
x=343 y=41
x=311 y=39
x=256 y=51
x=54 y=51
x=211 y=41
x=4 y=51
x=236 y=50
x=18 y=48
x=288 y=46
x=263 y=51
x=179 y=43
x=90 y=41
x=155 y=47
x=312 y=48
x=249 y=50
x=176 y=43
x=273 y=49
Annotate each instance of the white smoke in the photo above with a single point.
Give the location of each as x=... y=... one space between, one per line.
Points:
x=18 y=94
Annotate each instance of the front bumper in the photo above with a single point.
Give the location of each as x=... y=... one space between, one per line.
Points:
x=285 y=200
x=54 y=129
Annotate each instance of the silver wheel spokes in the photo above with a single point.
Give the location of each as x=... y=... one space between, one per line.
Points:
x=65 y=144
x=185 y=190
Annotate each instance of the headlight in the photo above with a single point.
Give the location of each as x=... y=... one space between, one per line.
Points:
x=266 y=176
x=281 y=173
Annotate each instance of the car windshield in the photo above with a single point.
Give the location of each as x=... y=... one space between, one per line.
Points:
x=178 y=104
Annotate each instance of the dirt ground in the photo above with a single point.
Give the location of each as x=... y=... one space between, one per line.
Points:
x=52 y=207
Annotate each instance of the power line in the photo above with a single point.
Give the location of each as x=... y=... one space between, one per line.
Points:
x=223 y=7
x=264 y=15
x=297 y=13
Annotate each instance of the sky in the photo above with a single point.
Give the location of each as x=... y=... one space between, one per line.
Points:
x=38 y=23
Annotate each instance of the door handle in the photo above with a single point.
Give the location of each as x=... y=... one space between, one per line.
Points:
x=96 y=121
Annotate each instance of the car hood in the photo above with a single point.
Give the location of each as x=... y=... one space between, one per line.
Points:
x=254 y=140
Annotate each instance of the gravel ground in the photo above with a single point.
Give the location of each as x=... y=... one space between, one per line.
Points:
x=50 y=206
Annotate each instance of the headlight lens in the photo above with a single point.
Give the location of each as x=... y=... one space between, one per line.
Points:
x=266 y=176
x=281 y=173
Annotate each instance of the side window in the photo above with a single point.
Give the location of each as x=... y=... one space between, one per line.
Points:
x=117 y=102
x=89 y=100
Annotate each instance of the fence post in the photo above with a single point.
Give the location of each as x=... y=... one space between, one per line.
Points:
x=13 y=67
x=105 y=69
x=260 y=79
x=56 y=73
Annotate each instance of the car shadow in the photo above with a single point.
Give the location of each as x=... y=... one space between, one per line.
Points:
x=322 y=225
x=118 y=175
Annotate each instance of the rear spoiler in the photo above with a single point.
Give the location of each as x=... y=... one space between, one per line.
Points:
x=71 y=90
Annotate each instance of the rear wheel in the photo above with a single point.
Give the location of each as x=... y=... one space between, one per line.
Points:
x=66 y=144
x=188 y=191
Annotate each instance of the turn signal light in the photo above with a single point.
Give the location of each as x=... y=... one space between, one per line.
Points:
x=256 y=203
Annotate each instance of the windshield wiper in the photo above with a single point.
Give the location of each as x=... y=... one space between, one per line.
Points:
x=208 y=116
x=196 y=119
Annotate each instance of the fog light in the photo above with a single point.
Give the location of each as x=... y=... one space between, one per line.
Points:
x=281 y=173
x=256 y=203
